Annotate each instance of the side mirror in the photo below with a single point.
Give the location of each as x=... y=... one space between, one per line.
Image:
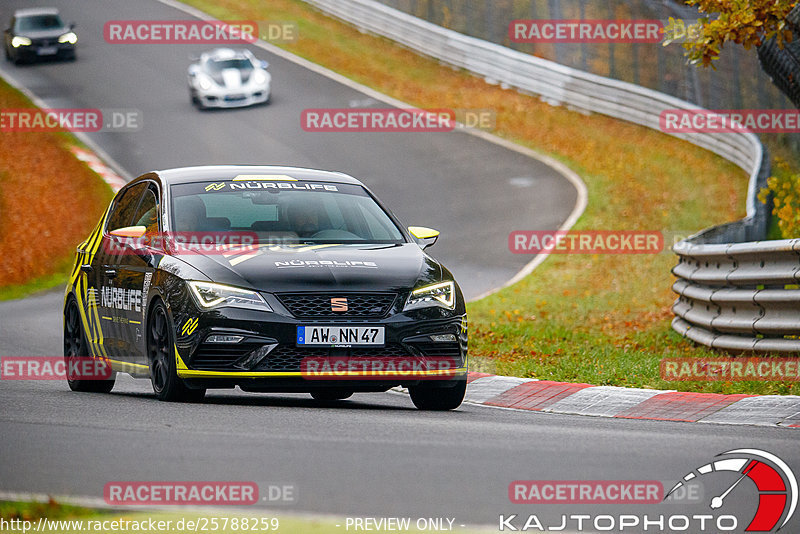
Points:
x=426 y=237
x=71 y=26
x=134 y=232
x=264 y=64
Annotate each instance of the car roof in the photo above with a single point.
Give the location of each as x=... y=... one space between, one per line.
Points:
x=226 y=53
x=32 y=11
x=185 y=175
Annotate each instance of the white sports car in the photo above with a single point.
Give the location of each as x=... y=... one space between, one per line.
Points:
x=227 y=78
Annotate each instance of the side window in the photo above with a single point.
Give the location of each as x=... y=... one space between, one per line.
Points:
x=124 y=207
x=147 y=214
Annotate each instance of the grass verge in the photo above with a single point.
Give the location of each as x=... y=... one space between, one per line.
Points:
x=49 y=202
x=601 y=319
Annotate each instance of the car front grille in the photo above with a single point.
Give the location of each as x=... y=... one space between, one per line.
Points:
x=288 y=358
x=438 y=350
x=215 y=357
x=321 y=305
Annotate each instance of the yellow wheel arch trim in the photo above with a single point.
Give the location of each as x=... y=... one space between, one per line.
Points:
x=179 y=365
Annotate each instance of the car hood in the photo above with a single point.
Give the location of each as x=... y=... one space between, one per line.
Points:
x=44 y=34
x=321 y=267
x=232 y=78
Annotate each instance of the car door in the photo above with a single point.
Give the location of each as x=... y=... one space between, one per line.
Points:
x=113 y=299
x=134 y=275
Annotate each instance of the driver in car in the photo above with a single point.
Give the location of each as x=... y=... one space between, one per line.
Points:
x=304 y=219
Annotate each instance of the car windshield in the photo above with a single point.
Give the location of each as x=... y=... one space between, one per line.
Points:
x=216 y=66
x=287 y=211
x=39 y=22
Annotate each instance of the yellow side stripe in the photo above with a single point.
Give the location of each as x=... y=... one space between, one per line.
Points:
x=190 y=373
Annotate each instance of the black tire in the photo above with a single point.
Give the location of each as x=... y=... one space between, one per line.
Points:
x=332 y=394
x=438 y=399
x=76 y=346
x=160 y=353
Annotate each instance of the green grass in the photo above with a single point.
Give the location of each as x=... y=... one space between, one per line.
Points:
x=49 y=282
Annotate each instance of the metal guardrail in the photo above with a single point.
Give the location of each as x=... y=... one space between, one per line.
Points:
x=555 y=83
x=735 y=293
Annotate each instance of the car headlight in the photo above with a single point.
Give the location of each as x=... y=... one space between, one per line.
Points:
x=210 y=296
x=260 y=77
x=204 y=83
x=442 y=294
x=18 y=41
x=68 y=37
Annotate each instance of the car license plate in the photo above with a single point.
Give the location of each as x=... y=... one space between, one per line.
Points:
x=47 y=51
x=329 y=336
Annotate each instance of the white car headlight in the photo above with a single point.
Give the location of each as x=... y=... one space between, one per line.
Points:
x=442 y=294
x=260 y=77
x=18 y=41
x=210 y=296
x=68 y=37
x=204 y=82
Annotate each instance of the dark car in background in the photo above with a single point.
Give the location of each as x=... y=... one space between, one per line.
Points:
x=330 y=295
x=39 y=33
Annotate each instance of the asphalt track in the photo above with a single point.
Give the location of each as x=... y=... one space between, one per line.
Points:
x=375 y=454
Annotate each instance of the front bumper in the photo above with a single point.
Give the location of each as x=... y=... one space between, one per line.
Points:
x=268 y=358
x=44 y=50
x=232 y=99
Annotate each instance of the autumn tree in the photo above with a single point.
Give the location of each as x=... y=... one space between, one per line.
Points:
x=745 y=22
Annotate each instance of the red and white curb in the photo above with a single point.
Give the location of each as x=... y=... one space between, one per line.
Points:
x=114 y=180
x=632 y=403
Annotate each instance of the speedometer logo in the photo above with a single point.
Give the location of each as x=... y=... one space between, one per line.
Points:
x=775 y=483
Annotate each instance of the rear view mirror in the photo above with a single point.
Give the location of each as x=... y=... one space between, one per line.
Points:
x=426 y=237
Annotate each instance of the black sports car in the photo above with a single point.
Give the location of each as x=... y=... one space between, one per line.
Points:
x=273 y=279
x=39 y=33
